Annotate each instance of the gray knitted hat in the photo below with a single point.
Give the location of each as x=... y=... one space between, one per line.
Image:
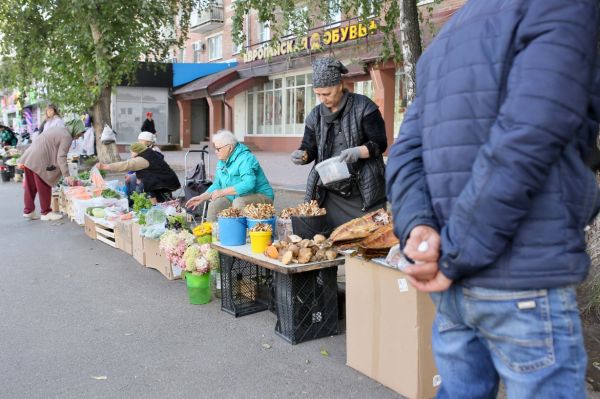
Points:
x=327 y=72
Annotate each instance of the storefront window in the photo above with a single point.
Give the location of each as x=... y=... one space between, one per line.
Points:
x=365 y=88
x=281 y=105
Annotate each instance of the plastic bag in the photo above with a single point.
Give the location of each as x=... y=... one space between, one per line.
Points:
x=283 y=228
x=396 y=258
x=156 y=216
x=108 y=135
x=96 y=178
x=153 y=231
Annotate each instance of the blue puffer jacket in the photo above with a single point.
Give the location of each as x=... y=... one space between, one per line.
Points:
x=491 y=151
x=242 y=171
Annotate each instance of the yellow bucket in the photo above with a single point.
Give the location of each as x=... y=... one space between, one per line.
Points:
x=259 y=241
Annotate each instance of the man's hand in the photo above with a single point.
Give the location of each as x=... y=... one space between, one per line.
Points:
x=193 y=202
x=101 y=166
x=423 y=246
x=438 y=283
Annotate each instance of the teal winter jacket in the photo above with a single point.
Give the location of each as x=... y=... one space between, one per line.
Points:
x=242 y=171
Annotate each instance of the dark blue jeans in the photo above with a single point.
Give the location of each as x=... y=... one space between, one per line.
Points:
x=532 y=340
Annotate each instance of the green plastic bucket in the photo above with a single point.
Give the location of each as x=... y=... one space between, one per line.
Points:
x=198 y=287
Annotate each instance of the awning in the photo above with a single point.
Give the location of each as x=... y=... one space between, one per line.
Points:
x=185 y=73
x=203 y=87
x=238 y=86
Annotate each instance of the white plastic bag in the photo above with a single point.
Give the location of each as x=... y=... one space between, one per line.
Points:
x=396 y=258
x=108 y=135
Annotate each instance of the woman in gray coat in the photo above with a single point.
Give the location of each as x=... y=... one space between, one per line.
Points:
x=43 y=164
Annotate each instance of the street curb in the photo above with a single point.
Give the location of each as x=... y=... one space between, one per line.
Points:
x=288 y=189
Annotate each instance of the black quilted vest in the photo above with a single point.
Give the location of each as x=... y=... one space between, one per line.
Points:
x=159 y=175
x=370 y=172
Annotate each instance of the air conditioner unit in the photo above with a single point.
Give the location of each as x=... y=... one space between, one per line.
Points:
x=199 y=46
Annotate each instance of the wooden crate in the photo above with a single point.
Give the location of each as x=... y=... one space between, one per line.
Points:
x=100 y=229
x=105 y=232
x=62 y=201
x=55 y=203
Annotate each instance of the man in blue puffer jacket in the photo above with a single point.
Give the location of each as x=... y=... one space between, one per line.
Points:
x=489 y=170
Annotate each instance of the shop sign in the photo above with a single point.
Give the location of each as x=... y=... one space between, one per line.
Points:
x=314 y=41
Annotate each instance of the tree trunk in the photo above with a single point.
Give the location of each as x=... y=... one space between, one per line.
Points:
x=411 y=44
x=107 y=153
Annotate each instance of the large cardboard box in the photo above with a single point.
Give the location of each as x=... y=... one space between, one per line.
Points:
x=156 y=259
x=137 y=244
x=123 y=237
x=388 y=329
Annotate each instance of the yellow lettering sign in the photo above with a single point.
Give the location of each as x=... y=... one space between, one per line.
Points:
x=353 y=32
x=362 y=30
x=344 y=30
x=315 y=41
x=335 y=35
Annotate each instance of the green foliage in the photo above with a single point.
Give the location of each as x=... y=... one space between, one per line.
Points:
x=177 y=222
x=77 y=48
x=110 y=193
x=140 y=202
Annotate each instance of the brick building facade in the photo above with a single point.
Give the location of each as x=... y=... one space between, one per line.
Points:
x=265 y=98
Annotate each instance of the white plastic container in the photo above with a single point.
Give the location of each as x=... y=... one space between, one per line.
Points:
x=332 y=170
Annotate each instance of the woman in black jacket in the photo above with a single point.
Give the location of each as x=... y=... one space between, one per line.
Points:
x=148 y=125
x=350 y=126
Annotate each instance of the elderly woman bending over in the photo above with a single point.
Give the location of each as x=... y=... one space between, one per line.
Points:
x=239 y=179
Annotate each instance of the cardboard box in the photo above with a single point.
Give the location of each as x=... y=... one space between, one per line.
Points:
x=156 y=259
x=89 y=226
x=137 y=244
x=123 y=237
x=388 y=329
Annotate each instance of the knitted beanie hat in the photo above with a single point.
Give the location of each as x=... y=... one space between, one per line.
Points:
x=327 y=72
x=138 y=148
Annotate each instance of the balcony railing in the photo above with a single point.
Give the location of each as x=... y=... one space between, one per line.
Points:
x=207 y=19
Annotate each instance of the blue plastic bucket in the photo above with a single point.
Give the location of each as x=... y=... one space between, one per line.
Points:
x=252 y=222
x=232 y=231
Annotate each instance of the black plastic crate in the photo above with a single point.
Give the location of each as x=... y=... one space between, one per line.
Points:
x=244 y=287
x=307 y=305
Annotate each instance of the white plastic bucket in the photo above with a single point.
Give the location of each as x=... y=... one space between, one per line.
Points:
x=332 y=170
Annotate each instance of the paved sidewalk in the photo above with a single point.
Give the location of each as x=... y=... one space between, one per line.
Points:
x=83 y=320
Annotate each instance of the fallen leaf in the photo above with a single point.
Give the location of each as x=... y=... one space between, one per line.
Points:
x=324 y=352
x=596 y=364
x=266 y=346
x=307 y=361
x=99 y=377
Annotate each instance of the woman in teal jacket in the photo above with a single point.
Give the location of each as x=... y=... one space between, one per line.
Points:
x=239 y=179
